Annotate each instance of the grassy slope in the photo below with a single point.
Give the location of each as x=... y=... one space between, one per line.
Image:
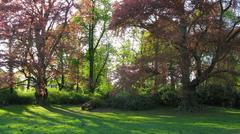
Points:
x=70 y=119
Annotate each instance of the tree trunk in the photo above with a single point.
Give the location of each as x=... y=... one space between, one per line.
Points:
x=41 y=93
x=41 y=87
x=28 y=83
x=78 y=78
x=91 y=59
x=189 y=99
x=172 y=79
x=188 y=91
x=77 y=88
x=156 y=66
x=11 y=75
x=62 y=84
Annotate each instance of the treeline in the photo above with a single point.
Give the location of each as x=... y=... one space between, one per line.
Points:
x=178 y=53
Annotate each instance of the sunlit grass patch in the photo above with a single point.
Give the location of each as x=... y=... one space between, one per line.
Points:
x=59 y=119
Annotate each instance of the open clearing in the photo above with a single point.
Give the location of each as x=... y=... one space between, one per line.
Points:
x=60 y=119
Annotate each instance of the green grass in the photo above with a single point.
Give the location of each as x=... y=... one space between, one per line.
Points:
x=60 y=119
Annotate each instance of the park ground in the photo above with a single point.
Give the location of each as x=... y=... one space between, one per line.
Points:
x=59 y=119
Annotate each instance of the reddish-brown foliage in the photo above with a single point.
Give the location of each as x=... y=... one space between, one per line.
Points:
x=197 y=29
x=33 y=24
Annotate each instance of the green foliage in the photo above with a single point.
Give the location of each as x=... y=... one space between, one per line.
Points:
x=230 y=15
x=125 y=55
x=54 y=97
x=102 y=12
x=168 y=96
x=66 y=97
x=130 y=101
x=17 y=97
x=218 y=95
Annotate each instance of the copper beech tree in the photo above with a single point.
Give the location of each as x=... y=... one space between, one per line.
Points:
x=34 y=24
x=8 y=54
x=203 y=32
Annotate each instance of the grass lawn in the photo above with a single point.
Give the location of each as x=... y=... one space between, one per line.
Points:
x=57 y=119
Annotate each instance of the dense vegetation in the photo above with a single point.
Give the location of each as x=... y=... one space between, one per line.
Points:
x=170 y=62
x=123 y=54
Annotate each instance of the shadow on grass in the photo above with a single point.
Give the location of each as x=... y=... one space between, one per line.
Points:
x=70 y=119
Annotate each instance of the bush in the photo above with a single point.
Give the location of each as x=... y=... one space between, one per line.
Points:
x=237 y=103
x=66 y=97
x=168 y=96
x=16 y=97
x=218 y=95
x=54 y=97
x=129 y=101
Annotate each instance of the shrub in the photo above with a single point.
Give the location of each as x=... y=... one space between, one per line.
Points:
x=66 y=97
x=16 y=97
x=168 y=96
x=237 y=99
x=217 y=95
x=129 y=101
x=54 y=97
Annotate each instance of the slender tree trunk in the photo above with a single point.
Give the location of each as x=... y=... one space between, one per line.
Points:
x=10 y=68
x=11 y=75
x=78 y=78
x=62 y=84
x=156 y=66
x=28 y=83
x=77 y=88
x=91 y=59
x=164 y=73
x=172 y=79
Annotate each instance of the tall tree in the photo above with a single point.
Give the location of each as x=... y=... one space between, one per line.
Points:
x=35 y=22
x=94 y=16
x=203 y=33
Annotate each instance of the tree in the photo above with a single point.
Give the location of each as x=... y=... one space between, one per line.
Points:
x=202 y=32
x=149 y=66
x=34 y=22
x=8 y=35
x=94 y=16
x=69 y=55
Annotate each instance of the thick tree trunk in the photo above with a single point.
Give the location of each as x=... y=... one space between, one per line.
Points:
x=189 y=99
x=41 y=93
x=188 y=91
